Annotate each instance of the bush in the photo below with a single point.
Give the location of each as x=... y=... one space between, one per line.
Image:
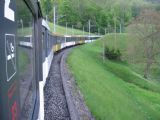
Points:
x=112 y=54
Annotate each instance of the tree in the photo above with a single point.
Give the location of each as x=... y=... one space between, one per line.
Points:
x=146 y=29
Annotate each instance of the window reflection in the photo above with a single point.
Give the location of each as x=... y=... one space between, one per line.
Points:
x=25 y=60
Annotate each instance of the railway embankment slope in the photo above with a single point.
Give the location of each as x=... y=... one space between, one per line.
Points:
x=111 y=89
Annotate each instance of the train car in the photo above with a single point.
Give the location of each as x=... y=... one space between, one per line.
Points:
x=69 y=41
x=57 y=42
x=91 y=38
x=20 y=23
x=47 y=53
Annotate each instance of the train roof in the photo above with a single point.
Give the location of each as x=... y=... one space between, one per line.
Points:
x=45 y=24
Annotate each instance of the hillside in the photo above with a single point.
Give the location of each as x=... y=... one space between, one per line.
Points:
x=113 y=90
x=154 y=1
x=106 y=3
x=123 y=43
x=102 y=14
x=62 y=30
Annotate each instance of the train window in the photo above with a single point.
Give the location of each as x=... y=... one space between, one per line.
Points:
x=47 y=43
x=43 y=46
x=26 y=60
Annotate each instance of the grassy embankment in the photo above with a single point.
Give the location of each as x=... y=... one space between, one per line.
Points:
x=112 y=90
x=62 y=30
x=59 y=30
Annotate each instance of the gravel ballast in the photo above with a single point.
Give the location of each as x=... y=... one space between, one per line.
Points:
x=63 y=99
x=55 y=101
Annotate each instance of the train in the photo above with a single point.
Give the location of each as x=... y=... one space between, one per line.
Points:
x=27 y=47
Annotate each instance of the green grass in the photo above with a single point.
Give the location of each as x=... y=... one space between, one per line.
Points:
x=25 y=31
x=62 y=30
x=119 y=41
x=23 y=61
x=59 y=29
x=103 y=3
x=112 y=90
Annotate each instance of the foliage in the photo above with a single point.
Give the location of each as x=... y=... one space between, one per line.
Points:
x=112 y=54
x=101 y=13
x=132 y=51
x=146 y=28
x=47 y=8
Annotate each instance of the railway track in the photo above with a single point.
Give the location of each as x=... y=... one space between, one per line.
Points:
x=56 y=107
x=63 y=101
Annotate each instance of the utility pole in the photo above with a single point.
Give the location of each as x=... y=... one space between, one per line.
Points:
x=72 y=30
x=103 y=46
x=120 y=28
x=105 y=31
x=89 y=22
x=115 y=26
x=108 y=28
x=54 y=19
x=66 y=27
x=83 y=30
x=21 y=21
x=98 y=31
x=46 y=18
x=103 y=49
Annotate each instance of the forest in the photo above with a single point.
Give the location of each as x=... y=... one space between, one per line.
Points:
x=104 y=15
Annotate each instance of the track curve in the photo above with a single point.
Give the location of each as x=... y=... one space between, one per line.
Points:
x=56 y=107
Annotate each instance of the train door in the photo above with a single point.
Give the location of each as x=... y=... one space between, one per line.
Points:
x=43 y=46
x=9 y=102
